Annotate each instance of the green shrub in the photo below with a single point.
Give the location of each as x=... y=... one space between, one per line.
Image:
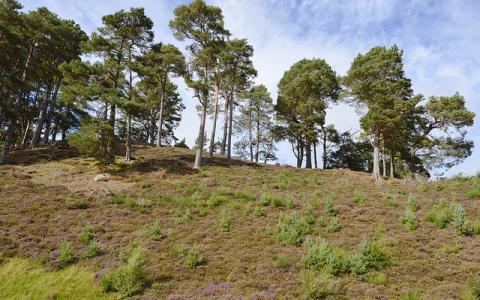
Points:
x=93 y=249
x=412 y=203
x=377 y=278
x=224 y=222
x=178 y=249
x=329 y=208
x=322 y=222
x=291 y=229
x=283 y=261
x=320 y=256
x=86 y=235
x=358 y=198
x=411 y=296
x=216 y=200
x=80 y=203
x=472 y=289
x=265 y=199
x=369 y=257
x=186 y=216
x=260 y=211
x=440 y=215
x=409 y=219
x=156 y=232
x=65 y=253
x=282 y=202
x=476 y=227
x=94 y=138
x=317 y=285
x=473 y=192
x=391 y=202
x=245 y=195
x=128 y=278
x=334 y=225
x=194 y=258
x=459 y=219
x=117 y=199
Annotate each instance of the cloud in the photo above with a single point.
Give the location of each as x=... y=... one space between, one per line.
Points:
x=440 y=41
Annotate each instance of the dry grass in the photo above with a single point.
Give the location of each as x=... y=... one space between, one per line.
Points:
x=37 y=214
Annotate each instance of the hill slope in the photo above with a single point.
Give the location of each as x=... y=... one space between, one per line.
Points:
x=229 y=212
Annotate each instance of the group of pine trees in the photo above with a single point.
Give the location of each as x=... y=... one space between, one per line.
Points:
x=118 y=84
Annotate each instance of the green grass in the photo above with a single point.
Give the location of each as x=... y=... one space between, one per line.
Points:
x=25 y=279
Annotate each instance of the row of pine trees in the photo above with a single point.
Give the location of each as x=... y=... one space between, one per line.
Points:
x=56 y=82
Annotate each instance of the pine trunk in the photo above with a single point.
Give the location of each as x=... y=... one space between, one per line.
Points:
x=308 y=152
x=392 y=162
x=230 y=124
x=41 y=118
x=160 y=120
x=315 y=154
x=214 y=125
x=127 y=138
x=376 y=159
x=225 y=128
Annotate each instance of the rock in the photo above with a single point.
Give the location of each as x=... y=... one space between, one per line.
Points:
x=100 y=193
x=101 y=177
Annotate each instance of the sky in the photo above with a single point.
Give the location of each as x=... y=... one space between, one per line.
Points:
x=440 y=40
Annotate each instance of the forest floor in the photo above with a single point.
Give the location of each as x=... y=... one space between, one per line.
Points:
x=229 y=211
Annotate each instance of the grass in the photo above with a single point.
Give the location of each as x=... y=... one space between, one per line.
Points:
x=261 y=254
x=26 y=279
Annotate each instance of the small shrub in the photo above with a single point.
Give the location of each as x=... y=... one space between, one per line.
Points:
x=391 y=202
x=473 y=192
x=66 y=255
x=320 y=256
x=411 y=296
x=283 y=261
x=80 y=203
x=459 y=219
x=291 y=229
x=358 y=198
x=368 y=258
x=156 y=232
x=412 y=203
x=224 y=222
x=451 y=249
x=86 y=235
x=194 y=258
x=322 y=222
x=476 y=227
x=265 y=199
x=334 y=225
x=94 y=138
x=128 y=278
x=185 y=217
x=117 y=199
x=377 y=278
x=409 y=219
x=178 y=249
x=328 y=207
x=282 y=202
x=216 y=200
x=440 y=215
x=146 y=184
x=260 y=211
x=93 y=249
x=245 y=195
x=472 y=289
x=317 y=285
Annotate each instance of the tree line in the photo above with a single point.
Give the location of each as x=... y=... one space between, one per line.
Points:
x=56 y=82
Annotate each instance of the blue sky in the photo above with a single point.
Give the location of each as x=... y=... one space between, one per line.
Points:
x=440 y=40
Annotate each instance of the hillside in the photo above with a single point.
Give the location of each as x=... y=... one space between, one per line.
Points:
x=229 y=212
